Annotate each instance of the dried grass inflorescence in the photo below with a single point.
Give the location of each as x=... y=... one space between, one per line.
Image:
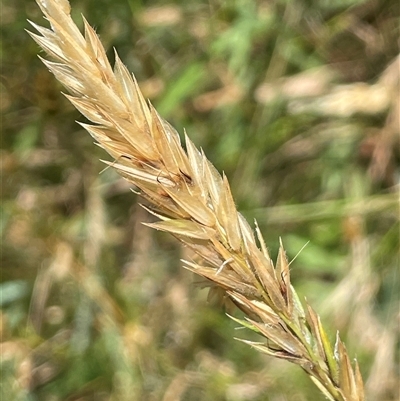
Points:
x=193 y=202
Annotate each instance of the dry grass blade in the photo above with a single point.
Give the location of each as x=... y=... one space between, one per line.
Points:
x=194 y=203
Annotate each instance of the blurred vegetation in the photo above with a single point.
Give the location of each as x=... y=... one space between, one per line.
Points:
x=297 y=101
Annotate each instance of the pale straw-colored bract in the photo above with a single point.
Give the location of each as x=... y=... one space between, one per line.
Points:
x=192 y=202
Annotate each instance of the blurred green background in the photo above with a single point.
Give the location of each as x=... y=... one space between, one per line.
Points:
x=297 y=101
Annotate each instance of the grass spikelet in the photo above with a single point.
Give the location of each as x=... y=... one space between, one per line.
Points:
x=193 y=202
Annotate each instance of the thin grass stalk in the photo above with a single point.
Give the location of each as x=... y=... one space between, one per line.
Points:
x=194 y=203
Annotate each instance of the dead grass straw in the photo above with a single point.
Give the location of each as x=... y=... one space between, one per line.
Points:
x=193 y=202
